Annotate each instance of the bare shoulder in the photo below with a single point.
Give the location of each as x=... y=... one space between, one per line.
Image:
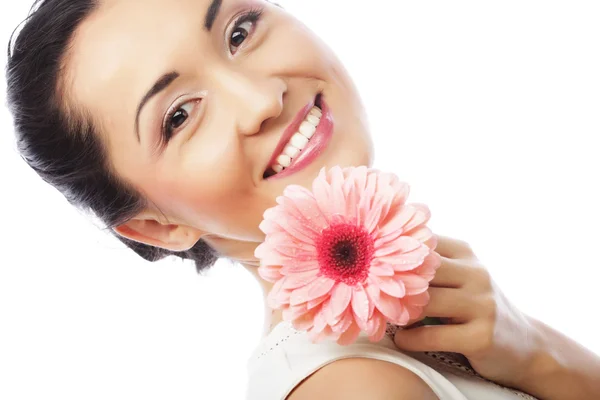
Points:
x=362 y=378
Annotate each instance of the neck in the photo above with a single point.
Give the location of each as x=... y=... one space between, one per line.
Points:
x=272 y=317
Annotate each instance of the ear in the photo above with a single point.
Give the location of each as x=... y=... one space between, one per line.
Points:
x=147 y=230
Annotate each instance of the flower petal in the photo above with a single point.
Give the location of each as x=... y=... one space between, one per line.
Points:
x=315 y=302
x=391 y=286
x=397 y=220
x=421 y=217
x=360 y=304
x=299 y=279
x=301 y=203
x=379 y=334
x=404 y=244
x=350 y=335
x=389 y=306
x=270 y=273
x=340 y=298
x=381 y=270
x=414 y=284
x=406 y=261
x=316 y=288
x=305 y=321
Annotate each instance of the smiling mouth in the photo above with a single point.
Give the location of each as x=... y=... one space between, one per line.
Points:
x=298 y=140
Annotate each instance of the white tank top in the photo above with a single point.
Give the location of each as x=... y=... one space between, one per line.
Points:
x=286 y=356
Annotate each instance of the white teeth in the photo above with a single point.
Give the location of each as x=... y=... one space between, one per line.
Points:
x=307 y=129
x=313 y=119
x=291 y=151
x=298 y=141
x=284 y=160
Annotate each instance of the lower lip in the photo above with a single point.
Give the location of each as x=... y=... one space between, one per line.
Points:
x=315 y=147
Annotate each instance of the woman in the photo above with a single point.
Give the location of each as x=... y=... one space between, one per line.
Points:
x=179 y=139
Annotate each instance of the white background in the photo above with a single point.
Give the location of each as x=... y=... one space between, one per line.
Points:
x=490 y=110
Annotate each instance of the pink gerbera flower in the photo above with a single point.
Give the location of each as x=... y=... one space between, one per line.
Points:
x=351 y=255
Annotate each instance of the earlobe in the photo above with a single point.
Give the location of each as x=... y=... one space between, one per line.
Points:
x=148 y=231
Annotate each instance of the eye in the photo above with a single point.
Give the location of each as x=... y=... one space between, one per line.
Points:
x=243 y=27
x=177 y=118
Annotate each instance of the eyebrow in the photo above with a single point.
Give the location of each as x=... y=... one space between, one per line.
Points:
x=211 y=14
x=164 y=81
x=161 y=84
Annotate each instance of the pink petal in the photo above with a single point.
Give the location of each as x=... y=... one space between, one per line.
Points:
x=373 y=294
x=304 y=322
x=404 y=244
x=301 y=203
x=391 y=286
x=349 y=336
x=379 y=334
x=267 y=225
x=328 y=313
x=316 y=288
x=424 y=235
x=296 y=280
x=315 y=302
x=294 y=266
x=406 y=261
x=402 y=190
x=270 y=273
x=344 y=323
x=340 y=298
x=322 y=193
x=389 y=306
x=381 y=270
x=429 y=267
x=421 y=299
x=421 y=217
x=366 y=199
x=319 y=322
x=278 y=295
x=374 y=323
x=296 y=229
x=398 y=220
x=292 y=312
x=413 y=283
x=360 y=303
x=414 y=312
x=337 y=192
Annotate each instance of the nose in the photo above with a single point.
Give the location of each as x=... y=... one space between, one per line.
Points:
x=251 y=99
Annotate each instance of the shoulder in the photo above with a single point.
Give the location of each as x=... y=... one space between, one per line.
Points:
x=362 y=378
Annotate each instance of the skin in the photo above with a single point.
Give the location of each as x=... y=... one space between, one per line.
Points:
x=207 y=181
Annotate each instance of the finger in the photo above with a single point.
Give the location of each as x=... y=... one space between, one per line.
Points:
x=453 y=248
x=450 y=338
x=451 y=273
x=449 y=303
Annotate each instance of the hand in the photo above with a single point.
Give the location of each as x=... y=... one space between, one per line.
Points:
x=499 y=341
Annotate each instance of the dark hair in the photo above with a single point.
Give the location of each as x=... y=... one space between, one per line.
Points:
x=60 y=142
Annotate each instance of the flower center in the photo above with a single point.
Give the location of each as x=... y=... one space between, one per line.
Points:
x=345 y=252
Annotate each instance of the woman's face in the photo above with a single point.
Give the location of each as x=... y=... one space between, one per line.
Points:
x=193 y=97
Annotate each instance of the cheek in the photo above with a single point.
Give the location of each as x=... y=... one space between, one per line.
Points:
x=223 y=202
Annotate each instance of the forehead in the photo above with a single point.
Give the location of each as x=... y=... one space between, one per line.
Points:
x=126 y=37
x=120 y=50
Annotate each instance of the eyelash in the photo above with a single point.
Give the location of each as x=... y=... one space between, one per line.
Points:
x=253 y=15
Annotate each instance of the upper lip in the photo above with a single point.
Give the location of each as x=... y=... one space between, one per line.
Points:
x=290 y=131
